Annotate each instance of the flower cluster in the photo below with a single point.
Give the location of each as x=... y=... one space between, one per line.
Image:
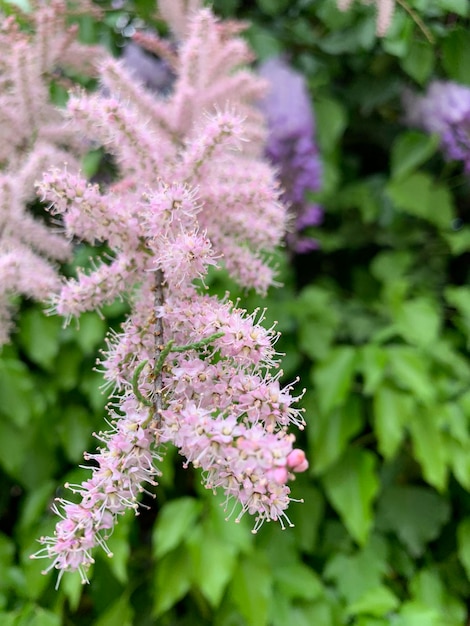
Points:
x=187 y=368
x=385 y=9
x=32 y=138
x=444 y=109
x=291 y=146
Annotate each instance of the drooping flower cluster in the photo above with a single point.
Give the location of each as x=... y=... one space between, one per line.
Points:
x=291 y=146
x=32 y=138
x=385 y=9
x=444 y=109
x=186 y=368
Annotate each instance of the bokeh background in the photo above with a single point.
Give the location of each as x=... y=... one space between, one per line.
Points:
x=375 y=321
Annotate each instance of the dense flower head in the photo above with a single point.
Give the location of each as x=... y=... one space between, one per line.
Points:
x=186 y=368
x=444 y=109
x=291 y=146
x=33 y=137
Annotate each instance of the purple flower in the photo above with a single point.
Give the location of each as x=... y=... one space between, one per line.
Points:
x=153 y=72
x=291 y=146
x=445 y=110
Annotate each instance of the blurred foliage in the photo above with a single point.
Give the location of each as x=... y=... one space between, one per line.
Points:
x=377 y=326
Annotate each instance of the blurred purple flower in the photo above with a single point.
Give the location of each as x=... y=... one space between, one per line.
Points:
x=153 y=72
x=445 y=110
x=291 y=146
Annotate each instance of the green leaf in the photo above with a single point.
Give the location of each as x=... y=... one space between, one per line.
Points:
x=428 y=446
x=461 y=7
x=459 y=461
x=307 y=516
x=392 y=412
x=251 y=589
x=415 y=514
x=418 y=321
x=333 y=377
x=263 y=42
x=13 y=451
x=377 y=601
x=18 y=393
x=410 y=370
x=120 y=548
x=458 y=241
x=331 y=120
x=463 y=543
x=351 y=486
x=40 y=337
x=74 y=430
x=273 y=7
x=213 y=561
x=456 y=55
x=332 y=432
x=91 y=332
x=419 y=61
x=173 y=522
x=318 y=320
x=429 y=589
x=410 y=150
x=417 y=614
x=119 y=613
x=372 y=365
x=172 y=579
x=296 y=580
x=421 y=196
x=360 y=572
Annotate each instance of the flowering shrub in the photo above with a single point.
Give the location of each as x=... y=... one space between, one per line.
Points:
x=217 y=399
x=375 y=323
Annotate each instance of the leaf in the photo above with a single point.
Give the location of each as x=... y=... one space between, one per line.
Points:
x=331 y=121
x=173 y=522
x=332 y=432
x=307 y=516
x=273 y=7
x=377 y=601
x=410 y=370
x=39 y=337
x=118 y=613
x=333 y=377
x=360 y=572
x=415 y=514
x=421 y=196
x=351 y=486
x=418 y=321
x=428 y=446
x=463 y=544
x=392 y=412
x=417 y=614
x=91 y=332
x=172 y=579
x=410 y=150
x=459 y=461
x=456 y=55
x=296 y=580
x=372 y=364
x=120 y=548
x=74 y=431
x=317 y=319
x=213 y=562
x=18 y=392
x=461 y=7
x=251 y=589
x=419 y=61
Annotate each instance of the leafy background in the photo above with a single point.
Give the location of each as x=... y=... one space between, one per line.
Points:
x=377 y=325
